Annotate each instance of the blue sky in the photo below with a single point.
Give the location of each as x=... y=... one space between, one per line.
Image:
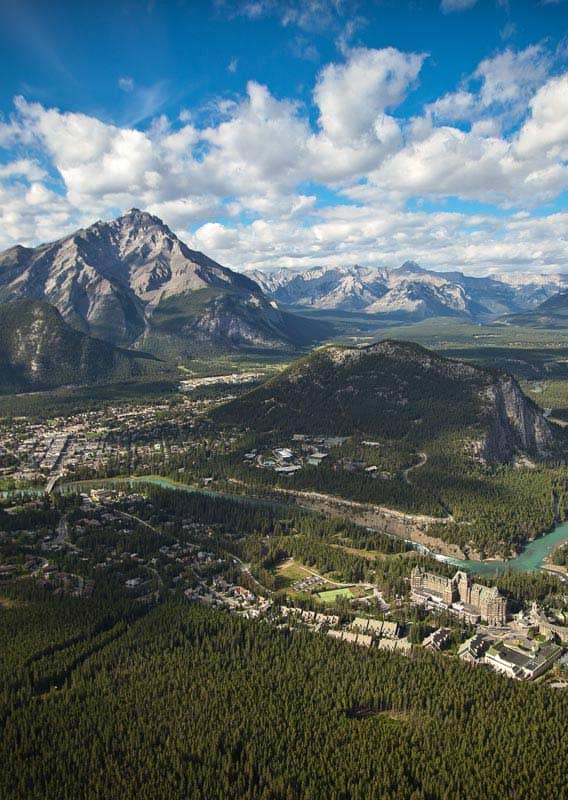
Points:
x=294 y=134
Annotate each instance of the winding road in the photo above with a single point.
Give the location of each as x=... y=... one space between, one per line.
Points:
x=423 y=459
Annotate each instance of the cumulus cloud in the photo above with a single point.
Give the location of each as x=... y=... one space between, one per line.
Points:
x=546 y=131
x=454 y=106
x=249 y=181
x=352 y=95
x=24 y=167
x=501 y=86
x=510 y=77
x=383 y=237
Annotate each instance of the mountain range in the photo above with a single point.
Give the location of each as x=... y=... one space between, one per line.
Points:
x=131 y=282
x=123 y=297
x=409 y=293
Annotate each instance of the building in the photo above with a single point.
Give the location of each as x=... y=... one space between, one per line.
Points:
x=377 y=627
x=362 y=639
x=438 y=640
x=520 y=662
x=470 y=601
x=474 y=649
x=402 y=646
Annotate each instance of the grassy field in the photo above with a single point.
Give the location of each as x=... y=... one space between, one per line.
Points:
x=233 y=363
x=549 y=394
x=330 y=595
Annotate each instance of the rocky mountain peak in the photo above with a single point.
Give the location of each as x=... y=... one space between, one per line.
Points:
x=123 y=279
x=412 y=268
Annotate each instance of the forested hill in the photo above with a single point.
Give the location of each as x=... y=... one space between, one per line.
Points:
x=39 y=350
x=395 y=390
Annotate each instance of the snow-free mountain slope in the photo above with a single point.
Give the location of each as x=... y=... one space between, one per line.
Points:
x=39 y=350
x=115 y=280
x=396 y=390
x=553 y=313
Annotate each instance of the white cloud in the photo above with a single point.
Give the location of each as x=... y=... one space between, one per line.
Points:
x=126 y=84
x=352 y=95
x=477 y=244
x=256 y=164
x=233 y=64
x=308 y=15
x=214 y=237
x=24 y=167
x=454 y=106
x=501 y=87
x=546 y=131
x=510 y=77
x=448 y=6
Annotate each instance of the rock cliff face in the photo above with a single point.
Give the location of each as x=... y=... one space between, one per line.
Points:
x=397 y=390
x=515 y=423
x=120 y=280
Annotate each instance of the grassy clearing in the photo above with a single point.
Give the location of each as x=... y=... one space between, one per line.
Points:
x=7 y=602
x=549 y=394
x=359 y=591
x=292 y=571
x=372 y=555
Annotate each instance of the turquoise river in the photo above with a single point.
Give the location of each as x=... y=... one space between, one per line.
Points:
x=529 y=560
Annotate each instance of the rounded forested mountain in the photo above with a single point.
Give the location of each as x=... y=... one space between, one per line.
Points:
x=394 y=390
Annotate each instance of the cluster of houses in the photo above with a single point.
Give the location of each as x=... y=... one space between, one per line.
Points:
x=285 y=460
x=32 y=451
x=235 y=378
x=311 y=451
x=365 y=632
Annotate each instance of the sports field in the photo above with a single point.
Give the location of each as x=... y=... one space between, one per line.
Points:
x=330 y=595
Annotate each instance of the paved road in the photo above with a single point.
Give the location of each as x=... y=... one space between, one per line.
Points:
x=51 y=482
x=245 y=569
x=337 y=583
x=140 y=521
x=62 y=531
x=63 y=534
x=423 y=459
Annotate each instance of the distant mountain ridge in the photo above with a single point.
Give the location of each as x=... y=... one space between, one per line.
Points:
x=553 y=313
x=409 y=293
x=39 y=350
x=134 y=283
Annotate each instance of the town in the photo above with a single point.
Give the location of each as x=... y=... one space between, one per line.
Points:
x=118 y=537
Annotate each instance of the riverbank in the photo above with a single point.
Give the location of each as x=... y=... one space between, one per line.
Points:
x=530 y=559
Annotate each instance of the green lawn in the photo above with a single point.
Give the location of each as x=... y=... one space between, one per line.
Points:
x=330 y=595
